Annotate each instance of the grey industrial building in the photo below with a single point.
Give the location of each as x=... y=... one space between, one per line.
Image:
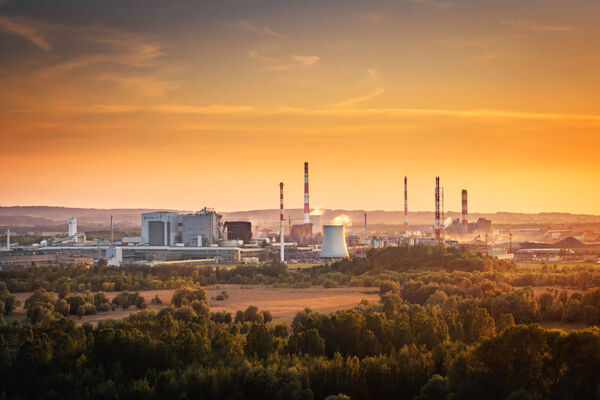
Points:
x=163 y=228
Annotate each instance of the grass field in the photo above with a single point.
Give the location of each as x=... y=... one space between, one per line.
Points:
x=283 y=303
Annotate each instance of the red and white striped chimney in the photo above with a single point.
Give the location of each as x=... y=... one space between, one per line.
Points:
x=405 y=205
x=281 y=232
x=437 y=208
x=306 y=207
x=465 y=220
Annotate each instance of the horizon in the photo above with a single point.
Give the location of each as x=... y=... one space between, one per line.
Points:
x=295 y=209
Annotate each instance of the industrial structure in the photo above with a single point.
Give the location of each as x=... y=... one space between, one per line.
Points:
x=437 y=209
x=306 y=206
x=281 y=225
x=405 y=205
x=238 y=230
x=465 y=220
x=334 y=242
x=303 y=233
x=72 y=229
x=164 y=228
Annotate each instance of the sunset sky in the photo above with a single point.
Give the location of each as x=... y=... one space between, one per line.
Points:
x=182 y=104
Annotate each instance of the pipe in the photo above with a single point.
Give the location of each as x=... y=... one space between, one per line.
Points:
x=306 y=207
x=281 y=226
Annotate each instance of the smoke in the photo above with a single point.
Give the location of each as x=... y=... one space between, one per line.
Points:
x=447 y=222
x=316 y=212
x=342 y=219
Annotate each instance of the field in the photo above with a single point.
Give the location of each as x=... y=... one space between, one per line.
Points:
x=282 y=302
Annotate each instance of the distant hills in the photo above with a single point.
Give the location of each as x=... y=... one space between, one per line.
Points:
x=48 y=218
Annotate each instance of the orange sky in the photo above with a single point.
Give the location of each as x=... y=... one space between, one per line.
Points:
x=181 y=104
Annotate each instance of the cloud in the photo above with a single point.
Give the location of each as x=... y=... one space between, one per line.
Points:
x=374 y=74
x=439 y=4
x=110 y=46
x=361 y=99
x=258 y=110
x=147 y=86
x=306 y=61
x=294 y=61
x=531 y=26
x=255 y=55
x=249 y=26
x=29 y=29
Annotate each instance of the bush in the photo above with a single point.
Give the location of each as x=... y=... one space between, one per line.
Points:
x=190 y=295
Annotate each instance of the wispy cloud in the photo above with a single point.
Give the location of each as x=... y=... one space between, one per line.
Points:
x=256 y=55
x=292 y=61
x=146 y=86
x=306 y=61
x=349 y=111
x=439 y=4
x=532 y=26
x=111 y=47
x=249 y=26
x=356 y=100
x=28 y=29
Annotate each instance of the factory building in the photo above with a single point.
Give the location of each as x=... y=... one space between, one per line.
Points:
x=238 y=230
x=163 y=228
x=200 y=229
x=159 y=228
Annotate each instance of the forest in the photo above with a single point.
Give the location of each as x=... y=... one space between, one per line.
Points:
x=449 y=325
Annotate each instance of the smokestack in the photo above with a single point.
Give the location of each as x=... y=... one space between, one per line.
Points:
x=281 y=233
x=465 y=221
x=8 y=239
x=306 y=207
x=366 y=237
x=405 y=205
x=111 y=230
x=437 y=208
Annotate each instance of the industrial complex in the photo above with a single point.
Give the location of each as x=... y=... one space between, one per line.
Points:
x=205 y=237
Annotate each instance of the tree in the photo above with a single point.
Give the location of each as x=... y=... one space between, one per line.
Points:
x=63 y=290
x=307 y=342
x=260 y=341
x=62 y=307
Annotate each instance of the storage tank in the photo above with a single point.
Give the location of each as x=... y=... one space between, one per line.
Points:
x=334 y=242
x=72 y=227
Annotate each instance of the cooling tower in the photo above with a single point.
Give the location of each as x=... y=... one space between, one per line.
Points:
x=334 y=242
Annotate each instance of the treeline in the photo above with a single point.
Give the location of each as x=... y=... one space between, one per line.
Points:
x=390 y=350
x=421 y=257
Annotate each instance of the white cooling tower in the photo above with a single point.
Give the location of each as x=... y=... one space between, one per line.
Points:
x=334 y=242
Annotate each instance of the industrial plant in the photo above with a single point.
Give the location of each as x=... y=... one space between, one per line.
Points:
x=206 y=237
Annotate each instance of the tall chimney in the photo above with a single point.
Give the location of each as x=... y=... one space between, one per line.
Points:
x=405 y=205
x=306 y=207
x=281 y=232
x=8 y=239
x=465 y=220
x=437 y=208
x=366 y=237
x=111 y=231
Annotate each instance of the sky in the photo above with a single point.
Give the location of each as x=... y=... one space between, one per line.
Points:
x=183 y=104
